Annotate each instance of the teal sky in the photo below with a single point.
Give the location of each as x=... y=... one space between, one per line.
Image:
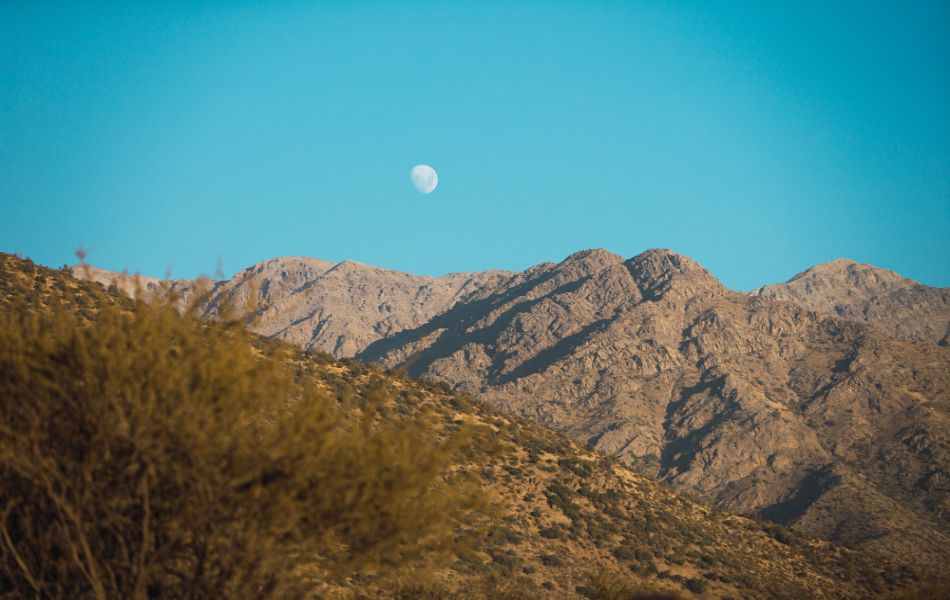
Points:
x=757 y=139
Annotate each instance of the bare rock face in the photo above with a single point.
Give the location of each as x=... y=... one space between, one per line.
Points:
x=315 y=304
x=757 y=405
x=123 y=282
x=860 y=292
x=345 y=307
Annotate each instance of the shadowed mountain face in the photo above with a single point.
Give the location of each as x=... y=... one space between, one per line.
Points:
x=757 y=405
x=569 y=523
x=896 y=305
x=315 y=304
x=342 y=308
x=777 y=408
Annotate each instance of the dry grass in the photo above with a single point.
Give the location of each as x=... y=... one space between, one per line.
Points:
x=146 y=454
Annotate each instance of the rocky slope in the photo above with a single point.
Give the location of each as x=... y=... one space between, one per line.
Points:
x=860 y=292
x=572 y=523
x=759 y=406
x=315 y=304
x=794 y=410
x=343 y=307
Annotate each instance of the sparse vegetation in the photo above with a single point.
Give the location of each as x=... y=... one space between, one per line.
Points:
x=144 y=454
x=608 y=585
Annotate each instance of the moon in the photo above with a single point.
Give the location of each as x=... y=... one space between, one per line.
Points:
x=424 y=178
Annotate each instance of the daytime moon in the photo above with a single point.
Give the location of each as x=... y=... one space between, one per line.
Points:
x=424 y=178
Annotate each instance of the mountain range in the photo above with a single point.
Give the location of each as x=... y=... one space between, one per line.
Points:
x=568 y=522
x=822 y=403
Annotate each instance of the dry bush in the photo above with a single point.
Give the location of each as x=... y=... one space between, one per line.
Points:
x=935 y=590
x=146 y=454
x=610 y=585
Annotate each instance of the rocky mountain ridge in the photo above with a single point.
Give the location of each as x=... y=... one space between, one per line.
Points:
x=757 y=405
x=573 y=524
x=855 y=291
x=754 y=402
x=328 y=306
x=338 y=308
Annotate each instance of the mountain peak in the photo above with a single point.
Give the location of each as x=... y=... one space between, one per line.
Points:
x=660 y=260
x=291 y=262
x=594 y=259
x=853 y=271
x=858 y=291
x=658 y=271
x=849 y=275
x=594 y=254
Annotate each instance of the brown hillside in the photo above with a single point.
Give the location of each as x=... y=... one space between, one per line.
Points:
x=570 y=523
x=759 y=406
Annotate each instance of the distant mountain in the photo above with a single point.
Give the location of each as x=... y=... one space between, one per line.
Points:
x=860 y=292
x=315 y=304
x=572 y=523
x=756 y=405
x=780 y=403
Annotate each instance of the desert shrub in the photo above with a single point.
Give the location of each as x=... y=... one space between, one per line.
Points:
x=505 y=559
x=559 y=496
x=609 y=585
x=490 y=586
x=645 y=569
x=550 y=560
x=146 y=454
x=503 y=534
x=578 y=467
x=630 y=551
x=624 y=553
x=513 y=471
x=781 y=534
x=675 y=559
x=696 y=585
x=934 y=590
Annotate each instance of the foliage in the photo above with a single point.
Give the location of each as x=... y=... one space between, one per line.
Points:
x=146 y=454
x=194 y=460
x=609 y=585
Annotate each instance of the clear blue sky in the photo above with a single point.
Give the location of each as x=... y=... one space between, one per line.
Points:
x=756 y=139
